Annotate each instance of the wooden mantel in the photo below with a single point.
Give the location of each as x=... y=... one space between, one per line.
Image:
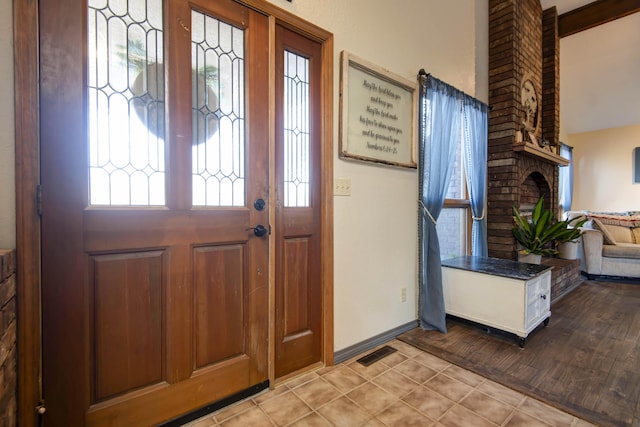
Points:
x=535 y=150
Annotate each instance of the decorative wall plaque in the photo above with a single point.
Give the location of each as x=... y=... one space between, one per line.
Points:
x=377 y=114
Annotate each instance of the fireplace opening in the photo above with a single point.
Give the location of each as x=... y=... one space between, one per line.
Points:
x=534 y=187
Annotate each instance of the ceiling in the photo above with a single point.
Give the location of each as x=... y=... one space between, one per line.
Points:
x=563 y=5
x=599 y=87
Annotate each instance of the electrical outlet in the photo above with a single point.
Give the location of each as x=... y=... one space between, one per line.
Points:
x=342 y=187
x=403 y=295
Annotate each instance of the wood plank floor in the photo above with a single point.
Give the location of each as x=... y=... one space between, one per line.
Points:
x=586 y=362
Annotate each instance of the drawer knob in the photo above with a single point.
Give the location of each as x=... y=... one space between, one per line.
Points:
x=543 y=296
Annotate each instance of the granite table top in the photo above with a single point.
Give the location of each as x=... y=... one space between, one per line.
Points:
x=497 y=267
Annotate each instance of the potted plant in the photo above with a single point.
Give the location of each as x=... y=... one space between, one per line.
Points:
x=537 y=234
x=568 y=240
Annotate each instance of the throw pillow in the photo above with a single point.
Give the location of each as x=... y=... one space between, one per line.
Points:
x=608 y=238
x=620 y=233
x=636 y=235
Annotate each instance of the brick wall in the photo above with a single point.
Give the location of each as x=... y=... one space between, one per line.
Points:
x=550 y=76
x=8 y=376
x=519 y=49
x=565 y=276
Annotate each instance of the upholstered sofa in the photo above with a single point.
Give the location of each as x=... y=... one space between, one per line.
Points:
x=610 y=245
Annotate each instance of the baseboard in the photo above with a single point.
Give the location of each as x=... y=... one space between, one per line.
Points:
x=616 y=279
x=359 y=348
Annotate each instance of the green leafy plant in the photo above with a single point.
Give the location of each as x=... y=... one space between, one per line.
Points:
x=537 y=234
x=572 y=229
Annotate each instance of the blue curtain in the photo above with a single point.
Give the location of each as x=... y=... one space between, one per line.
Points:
x=475 y=118
x=448 y=118
x=566 y=178
x=440 y=135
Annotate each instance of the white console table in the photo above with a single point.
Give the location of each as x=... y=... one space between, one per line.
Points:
x=503 y=294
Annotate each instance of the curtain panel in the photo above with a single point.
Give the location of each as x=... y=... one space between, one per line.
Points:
x=439 y=137
x=475 y=121
x=448 y=118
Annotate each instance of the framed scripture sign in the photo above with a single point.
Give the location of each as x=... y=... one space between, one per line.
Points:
x=377 y=114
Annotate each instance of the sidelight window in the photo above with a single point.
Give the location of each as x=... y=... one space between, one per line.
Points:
x=296 y=130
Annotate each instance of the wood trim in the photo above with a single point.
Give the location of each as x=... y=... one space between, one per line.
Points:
x=272 y=203
x=457 y=203
x=290 y=21
x=326 y=192
x=594 y=14
x=27 y=157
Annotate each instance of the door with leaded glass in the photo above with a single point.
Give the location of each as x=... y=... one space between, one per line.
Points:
x=154 y=162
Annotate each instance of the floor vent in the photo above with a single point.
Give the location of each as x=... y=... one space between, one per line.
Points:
x=376 y=355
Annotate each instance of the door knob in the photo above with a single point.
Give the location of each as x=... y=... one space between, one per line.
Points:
x=259 y=230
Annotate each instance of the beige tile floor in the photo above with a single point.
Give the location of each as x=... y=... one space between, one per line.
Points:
x=406 y=388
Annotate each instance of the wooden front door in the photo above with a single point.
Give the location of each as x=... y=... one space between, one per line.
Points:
x=154 y=127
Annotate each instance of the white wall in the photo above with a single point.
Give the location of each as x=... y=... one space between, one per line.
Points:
x=376 y=227
x=603 y=167
x=7 y=147
x=600 y=112
x=599 y=71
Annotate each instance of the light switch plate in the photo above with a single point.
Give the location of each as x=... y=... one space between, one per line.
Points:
x=342 y=187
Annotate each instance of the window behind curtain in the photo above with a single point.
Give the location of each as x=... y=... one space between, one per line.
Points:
x=454 y=222
x=565 y=179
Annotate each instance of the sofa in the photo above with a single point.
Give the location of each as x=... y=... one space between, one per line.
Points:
x=610 y=245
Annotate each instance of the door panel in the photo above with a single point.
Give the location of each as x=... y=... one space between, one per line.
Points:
x=153 y=304
x=298 y=177
x=295 y=289
x=127 y=306
x=220 y=292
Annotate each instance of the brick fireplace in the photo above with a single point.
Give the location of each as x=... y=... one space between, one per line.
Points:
x=524 y=120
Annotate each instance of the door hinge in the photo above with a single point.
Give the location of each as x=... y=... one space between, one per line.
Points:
x=39 y=199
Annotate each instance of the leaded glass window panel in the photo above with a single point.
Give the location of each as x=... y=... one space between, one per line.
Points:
x=218 y=112
x=296 y=130
x=126 y=103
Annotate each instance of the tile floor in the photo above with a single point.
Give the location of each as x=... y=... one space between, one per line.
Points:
x=407 y=388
